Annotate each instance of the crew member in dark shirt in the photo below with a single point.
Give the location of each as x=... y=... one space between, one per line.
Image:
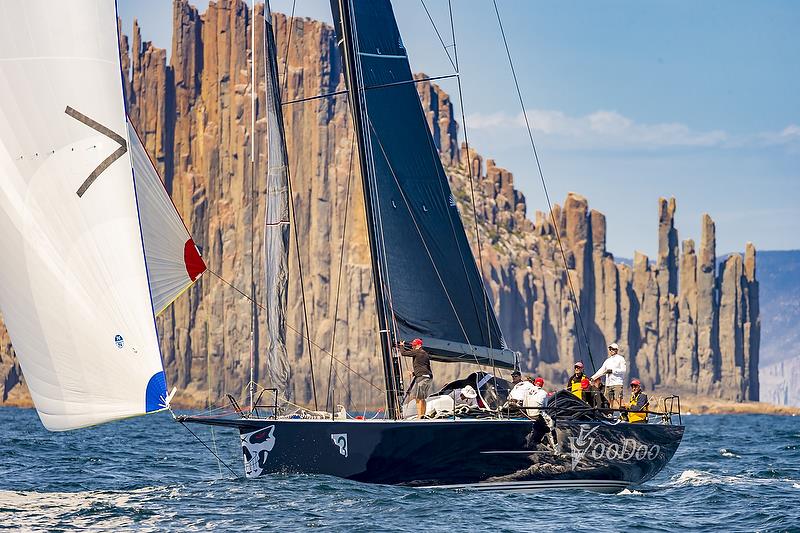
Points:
x=421 y=374
x=597 y=397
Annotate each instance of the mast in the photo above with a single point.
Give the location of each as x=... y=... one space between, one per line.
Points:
x=253 y=310
x=390 y=370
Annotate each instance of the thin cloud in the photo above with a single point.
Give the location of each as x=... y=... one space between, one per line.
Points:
x=603 y=129
x=788 y=136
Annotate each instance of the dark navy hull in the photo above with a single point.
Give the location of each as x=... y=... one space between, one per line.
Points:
x=484 y=454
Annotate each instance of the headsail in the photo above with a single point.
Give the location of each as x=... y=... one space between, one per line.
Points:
x=73 y=279
x=173 y=261
x=276 y=223
x=434 y=289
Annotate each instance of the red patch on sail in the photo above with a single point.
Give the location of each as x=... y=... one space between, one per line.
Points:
x=191 y=258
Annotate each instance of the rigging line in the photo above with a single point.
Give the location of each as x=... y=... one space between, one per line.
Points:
x=216 y=450
x=453 y=32
x=439 y=35
x=369 y=88
x=378 y=246
x=302 y=287
x=575 y=305
x=384 y=259
x=478 y=242
x=329 y=400
x=424 y=244
x=295 y=330
x=219 y=459
x=317 y=97
x=294 y=217
x=442 y=181
x=262 y=388
x=289 y=27
x=412 y=81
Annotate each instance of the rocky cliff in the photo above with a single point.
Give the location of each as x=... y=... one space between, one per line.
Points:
x=683 y=324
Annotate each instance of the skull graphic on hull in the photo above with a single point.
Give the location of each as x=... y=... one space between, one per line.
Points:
x=256 y=445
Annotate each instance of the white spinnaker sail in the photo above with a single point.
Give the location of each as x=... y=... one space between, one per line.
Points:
x=73 y=280
x=173 y=262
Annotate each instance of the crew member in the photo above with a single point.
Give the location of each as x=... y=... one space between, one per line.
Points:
x=520 y=389
x=574 y=383
x=516 y=377
x=536 y=397
x=421 y=373
x=597 y=398
x=585 y=387
x=614 y=368
x=468 y=396
x=637 y=408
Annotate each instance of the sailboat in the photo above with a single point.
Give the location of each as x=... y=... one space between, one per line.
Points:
x=429 y=287
x=93 y=247
x=93 y=250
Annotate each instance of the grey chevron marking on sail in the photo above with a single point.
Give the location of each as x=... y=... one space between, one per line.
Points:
x=119 y=152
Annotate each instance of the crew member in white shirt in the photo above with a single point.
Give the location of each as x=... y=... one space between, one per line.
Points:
x=535 y=397
x=520 y=390
x=614 y=369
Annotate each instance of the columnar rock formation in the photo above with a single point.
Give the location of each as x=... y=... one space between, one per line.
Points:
x=682 y=326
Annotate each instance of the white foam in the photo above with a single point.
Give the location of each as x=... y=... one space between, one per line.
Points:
x=626 y=492
x=697 y=478
x=727 y=453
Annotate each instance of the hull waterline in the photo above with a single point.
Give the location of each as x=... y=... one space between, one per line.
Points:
x=478 y=454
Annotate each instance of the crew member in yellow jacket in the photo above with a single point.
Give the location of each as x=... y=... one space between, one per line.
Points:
x=637 y=408
x=574 y=383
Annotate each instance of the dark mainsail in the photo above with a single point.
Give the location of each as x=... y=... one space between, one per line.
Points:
x=431 y=284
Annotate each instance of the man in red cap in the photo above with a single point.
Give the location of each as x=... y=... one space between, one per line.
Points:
x=637 y=408
x=535 y=398
x=574 y=383
x=421 y=374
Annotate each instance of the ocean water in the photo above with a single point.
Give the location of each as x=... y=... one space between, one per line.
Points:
x=732 y=473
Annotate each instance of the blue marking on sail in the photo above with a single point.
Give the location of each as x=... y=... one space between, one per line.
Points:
x=156 y=392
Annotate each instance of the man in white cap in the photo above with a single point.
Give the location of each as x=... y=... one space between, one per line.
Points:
x=614 y=368
x=468 y=396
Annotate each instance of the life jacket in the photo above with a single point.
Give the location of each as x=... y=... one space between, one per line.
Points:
x=574 y=385
x=637 y=416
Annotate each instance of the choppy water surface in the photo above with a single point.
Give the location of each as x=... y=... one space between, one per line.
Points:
x=732 y=473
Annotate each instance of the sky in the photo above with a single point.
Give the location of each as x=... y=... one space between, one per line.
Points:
x=629 y=101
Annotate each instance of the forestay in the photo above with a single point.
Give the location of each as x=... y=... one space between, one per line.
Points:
x=434 y=289
x=173 y=262
x=73 y=280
